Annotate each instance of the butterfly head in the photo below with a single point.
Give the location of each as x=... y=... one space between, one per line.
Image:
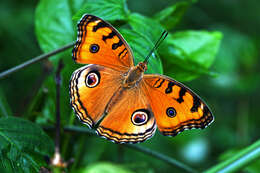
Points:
x=142 y=66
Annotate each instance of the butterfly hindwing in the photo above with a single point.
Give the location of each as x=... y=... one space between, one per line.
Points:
x=175 y=107
x=129 y=117
x=100 y=43
x=91 y=87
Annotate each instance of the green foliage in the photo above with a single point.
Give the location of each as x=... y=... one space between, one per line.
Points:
x=104 y=168
x=53 y=25
x=23 y=145
x=171 y=16
x=191 y=53
x=238 y=52
x=54 y=31
x=106 y=9
x=141 y=24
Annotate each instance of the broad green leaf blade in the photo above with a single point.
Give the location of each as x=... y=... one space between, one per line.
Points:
x=106 y=9
x=188 y=54
x=199 y=46
x=172 y=15
x=104 y=167
x=53 y=25
x=23 y=145
x=179 y=73
x=149 y=28
x=141 y=47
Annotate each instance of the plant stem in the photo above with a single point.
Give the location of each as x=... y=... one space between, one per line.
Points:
x=67 y=137
x=155 y=154
x=79 y=129
x=57 y=125
x=239 y=160
x=34 y=60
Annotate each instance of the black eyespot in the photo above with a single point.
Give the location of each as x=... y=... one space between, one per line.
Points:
x=94 y=48
x=171 y=112
x=140 y=117
x=92 y=79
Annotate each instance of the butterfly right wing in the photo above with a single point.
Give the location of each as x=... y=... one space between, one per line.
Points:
x=91 y=88
x=176 y=108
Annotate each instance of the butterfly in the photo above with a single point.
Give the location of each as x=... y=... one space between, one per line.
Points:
x=113 y=95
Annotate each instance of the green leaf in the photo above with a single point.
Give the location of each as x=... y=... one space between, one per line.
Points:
x=5 y=109
x=54 y=29
x=145 y=26
x=106 y=9
x=141 y=47
x=53 y=25
x=172 y=15
x=142 y=39
x=23 y=145
x=104 y=167
x=188 y=54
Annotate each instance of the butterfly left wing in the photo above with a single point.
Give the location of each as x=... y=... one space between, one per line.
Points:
x=129 y=118
x=175 y=107
x=98 y=42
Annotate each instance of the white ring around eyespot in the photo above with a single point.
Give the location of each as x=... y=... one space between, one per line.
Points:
x=139 y=112
x=97 y=80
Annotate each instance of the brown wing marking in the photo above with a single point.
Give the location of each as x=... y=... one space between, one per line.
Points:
x=112 y=49
x=176 y=108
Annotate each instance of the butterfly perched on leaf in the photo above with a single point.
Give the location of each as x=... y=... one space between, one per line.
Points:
x=114 y=96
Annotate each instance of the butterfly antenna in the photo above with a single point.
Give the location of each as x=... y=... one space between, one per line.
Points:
x=157 y=44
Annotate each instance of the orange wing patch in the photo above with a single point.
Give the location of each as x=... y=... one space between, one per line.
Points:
x=176 y=108
x=129 y=118
x=100 y=43
x=91 y=88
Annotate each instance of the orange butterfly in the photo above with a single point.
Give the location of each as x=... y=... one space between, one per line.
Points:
x=114 y=96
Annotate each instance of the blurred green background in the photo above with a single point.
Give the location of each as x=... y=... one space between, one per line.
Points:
x=231 y=91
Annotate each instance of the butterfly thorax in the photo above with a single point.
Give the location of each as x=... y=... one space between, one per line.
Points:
x=134 y=75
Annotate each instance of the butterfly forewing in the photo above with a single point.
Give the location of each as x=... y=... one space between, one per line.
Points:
x=100 y=43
